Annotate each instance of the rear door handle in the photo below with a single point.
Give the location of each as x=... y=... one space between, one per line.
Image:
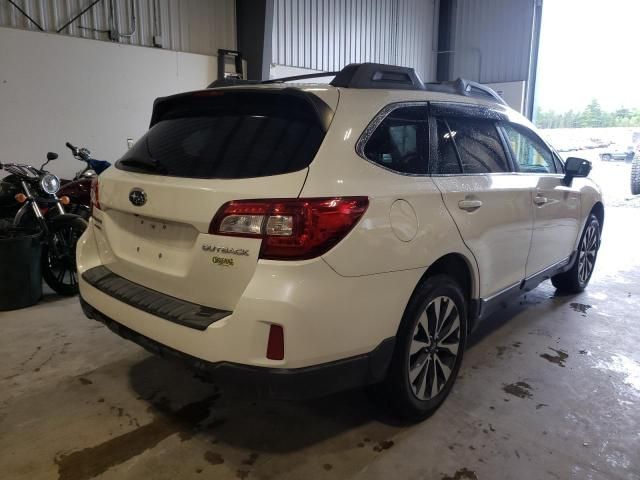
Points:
x=540 y=200
x=469 y=205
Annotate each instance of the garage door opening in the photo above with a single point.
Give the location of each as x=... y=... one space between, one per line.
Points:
x=587 y=103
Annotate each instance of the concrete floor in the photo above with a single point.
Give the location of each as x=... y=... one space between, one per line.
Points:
x=549 y=389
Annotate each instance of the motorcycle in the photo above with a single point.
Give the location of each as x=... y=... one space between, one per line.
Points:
x=34 y=191
x=79 y=189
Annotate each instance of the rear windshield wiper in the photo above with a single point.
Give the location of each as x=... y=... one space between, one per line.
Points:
x=148 y=164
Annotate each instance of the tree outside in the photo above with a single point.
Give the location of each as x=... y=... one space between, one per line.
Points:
x=593 y=116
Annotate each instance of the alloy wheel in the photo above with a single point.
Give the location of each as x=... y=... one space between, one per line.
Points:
x=434 y=348
x=587 y=255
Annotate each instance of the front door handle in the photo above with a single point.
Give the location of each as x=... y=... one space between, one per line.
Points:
x=469 y=205
x=538 y=200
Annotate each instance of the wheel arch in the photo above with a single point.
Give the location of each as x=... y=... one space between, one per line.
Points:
x=598 y=211
x=463 y=271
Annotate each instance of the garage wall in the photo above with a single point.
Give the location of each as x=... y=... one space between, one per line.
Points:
x=492 y=40
x=326 y=35
x=196 y=26
x=55 y=88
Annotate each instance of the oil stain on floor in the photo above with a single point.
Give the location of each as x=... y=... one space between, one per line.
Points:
x=462 y=474
x=518 y=389
x=580 y=307
x=92 y=461
x=559 y=358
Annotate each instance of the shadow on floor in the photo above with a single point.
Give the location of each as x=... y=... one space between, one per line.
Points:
x=514 y=308
x=243 y=420
x=239 y=418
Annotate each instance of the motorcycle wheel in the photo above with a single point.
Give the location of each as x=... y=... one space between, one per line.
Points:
x=59 y=256
x=80 y=210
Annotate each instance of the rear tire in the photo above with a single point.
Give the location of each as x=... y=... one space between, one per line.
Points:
x=577 y=278
x=428 y=351
x=60 y=271
x=635 y=176
x=606 y=157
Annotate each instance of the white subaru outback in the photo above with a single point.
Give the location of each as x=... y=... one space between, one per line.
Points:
x=303 y=239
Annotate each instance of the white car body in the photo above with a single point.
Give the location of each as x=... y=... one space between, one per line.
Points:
x=347 y=303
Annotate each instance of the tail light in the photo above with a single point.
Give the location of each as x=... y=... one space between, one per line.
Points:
x=95 y=196
x=290 y=229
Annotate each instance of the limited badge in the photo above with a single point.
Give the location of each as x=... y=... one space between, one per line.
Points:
x=223 y=262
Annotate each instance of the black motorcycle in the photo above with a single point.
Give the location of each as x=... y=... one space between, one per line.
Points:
x=29 y=194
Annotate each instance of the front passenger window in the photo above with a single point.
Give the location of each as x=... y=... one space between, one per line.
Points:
x=531 y=155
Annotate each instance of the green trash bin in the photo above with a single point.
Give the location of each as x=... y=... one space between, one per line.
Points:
x=20 y=268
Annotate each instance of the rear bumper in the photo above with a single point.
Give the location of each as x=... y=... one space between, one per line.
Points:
x=325 y=317
x=278 y=383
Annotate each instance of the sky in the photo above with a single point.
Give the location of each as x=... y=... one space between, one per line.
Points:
x=589 y=49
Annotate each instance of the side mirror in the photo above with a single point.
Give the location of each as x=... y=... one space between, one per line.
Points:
x=575 y=168
x=51 y=156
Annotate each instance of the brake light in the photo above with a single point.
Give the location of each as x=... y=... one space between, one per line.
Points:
x=290 y=229
x=95 y=196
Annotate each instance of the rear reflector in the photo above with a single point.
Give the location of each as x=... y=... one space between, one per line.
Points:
x=291 y=229
x=275 y=346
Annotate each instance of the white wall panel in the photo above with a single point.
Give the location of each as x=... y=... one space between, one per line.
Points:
x=196 y=26
x=52 y=89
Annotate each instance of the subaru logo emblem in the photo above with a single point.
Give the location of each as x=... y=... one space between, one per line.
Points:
x=137 y=197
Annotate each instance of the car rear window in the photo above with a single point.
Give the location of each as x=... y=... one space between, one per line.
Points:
x=228 y=135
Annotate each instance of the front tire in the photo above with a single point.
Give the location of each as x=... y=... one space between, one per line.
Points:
x=59 y=256
x=606 y=157
x=429 y=348
x=577 y=278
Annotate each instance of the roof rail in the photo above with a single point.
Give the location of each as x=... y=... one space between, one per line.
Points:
x=301 y=77
x=467 y=88
x=378 y=75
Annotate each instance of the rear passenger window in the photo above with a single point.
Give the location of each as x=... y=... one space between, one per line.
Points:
x=532 y=156
x=446 y=161
x=400 y=141
x=478 y=145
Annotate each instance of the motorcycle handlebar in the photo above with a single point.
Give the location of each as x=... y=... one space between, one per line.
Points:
x=80 y=153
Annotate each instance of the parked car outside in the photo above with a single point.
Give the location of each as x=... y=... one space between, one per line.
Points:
x=617 y=152
x=306 y=239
